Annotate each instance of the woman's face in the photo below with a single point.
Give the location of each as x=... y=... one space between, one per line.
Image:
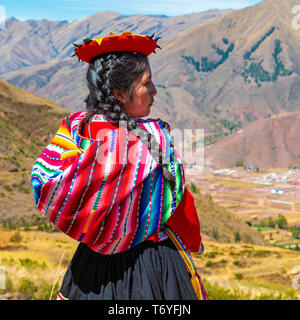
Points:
x=143 y=96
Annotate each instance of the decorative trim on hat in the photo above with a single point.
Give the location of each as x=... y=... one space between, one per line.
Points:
x=91 y=48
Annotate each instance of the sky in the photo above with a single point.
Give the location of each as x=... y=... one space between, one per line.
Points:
x=79 y=9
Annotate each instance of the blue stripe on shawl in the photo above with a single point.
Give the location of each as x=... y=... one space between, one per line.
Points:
x=145 y=205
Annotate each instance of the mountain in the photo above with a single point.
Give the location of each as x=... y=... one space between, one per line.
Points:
x=27 y=124
x=54 y=77
x=219 y=75
x=36 y=42
x=265 y=143
x=232 y=70
x=218 y=223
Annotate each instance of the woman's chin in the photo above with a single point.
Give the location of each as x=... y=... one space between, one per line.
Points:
x=142 y=115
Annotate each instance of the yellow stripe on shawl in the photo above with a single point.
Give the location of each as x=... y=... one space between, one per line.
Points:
x=188 y=264
x=63 y=143
x=63 y=130
x=71 y=154
x=85 y=228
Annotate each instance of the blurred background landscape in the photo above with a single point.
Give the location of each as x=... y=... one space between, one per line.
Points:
x=234 y=73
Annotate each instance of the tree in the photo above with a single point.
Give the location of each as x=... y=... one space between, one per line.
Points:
x=215 y=233
x=237 y=237
x=239 y=163
x=249 y=223
x=296 y=233
x=271 y=236
x=281 y=222
x=194 y=188
x=271 y=223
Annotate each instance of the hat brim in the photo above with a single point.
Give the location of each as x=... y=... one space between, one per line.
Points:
x=134 y=43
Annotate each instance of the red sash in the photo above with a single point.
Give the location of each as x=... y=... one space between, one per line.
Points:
x=185 y=222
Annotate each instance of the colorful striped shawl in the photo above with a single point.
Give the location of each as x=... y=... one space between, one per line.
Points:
x=109 y=205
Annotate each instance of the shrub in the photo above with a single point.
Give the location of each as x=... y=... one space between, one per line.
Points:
x=296 y=232
x=194 y=188
x=27 y=287
x=237 y=237
x=236 y=263
x=28 y=263
x=249 y=223
x=260 y=253
x=210 y=254
x=215 y=233
x=281 y=222
x=8 y=188
x=45 y=291
x=16 y=237
x=217 y=292
x=10 y=225
x=238 y=276
x=239 y=163
x=209 y=263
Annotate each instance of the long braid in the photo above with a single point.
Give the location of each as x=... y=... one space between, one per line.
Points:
x=101 y=100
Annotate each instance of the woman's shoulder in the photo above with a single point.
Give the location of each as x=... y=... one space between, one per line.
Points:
x=77 y=115
x=159 y=121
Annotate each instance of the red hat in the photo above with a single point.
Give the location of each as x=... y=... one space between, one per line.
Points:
x=125 y=42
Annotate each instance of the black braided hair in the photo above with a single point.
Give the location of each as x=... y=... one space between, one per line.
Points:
x=120 y=70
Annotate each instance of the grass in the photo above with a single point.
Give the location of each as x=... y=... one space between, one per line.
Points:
x=241 y=271
x=239 y=184
x=36 y=262
x=217 y=292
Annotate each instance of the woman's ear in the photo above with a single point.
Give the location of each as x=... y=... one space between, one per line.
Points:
x=121 y=95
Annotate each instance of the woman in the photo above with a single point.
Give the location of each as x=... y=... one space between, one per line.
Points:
x=115 y=182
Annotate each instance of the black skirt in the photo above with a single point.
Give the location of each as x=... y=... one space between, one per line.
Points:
x=149 y=271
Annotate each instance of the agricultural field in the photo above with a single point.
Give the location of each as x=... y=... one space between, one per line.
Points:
x=251 y=243
x=258 y=204
x=35 y=262
x=239 y=271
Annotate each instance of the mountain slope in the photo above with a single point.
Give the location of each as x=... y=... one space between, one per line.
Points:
x=237 y=68
x=266 y=143
x=27 y=124
x=218 y=223
x=35 y=42
x=219 y=75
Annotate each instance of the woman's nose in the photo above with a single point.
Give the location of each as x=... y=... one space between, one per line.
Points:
x=153 y=91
